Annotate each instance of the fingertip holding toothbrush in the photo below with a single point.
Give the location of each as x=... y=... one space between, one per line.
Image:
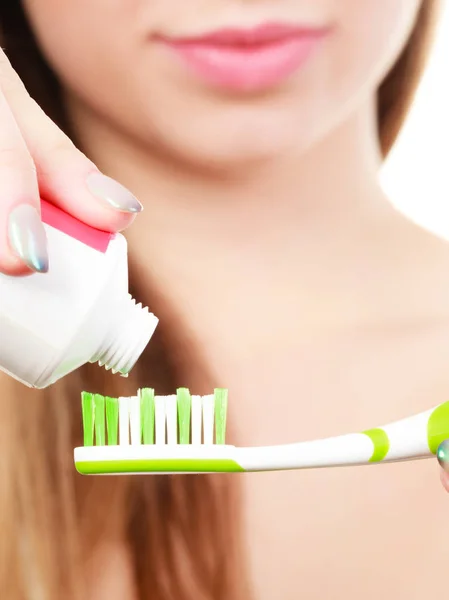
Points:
x=184 y=433
x=443 y=455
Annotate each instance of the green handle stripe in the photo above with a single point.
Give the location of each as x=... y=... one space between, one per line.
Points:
x=438 y=427
x=381 y=443
x=163 y=465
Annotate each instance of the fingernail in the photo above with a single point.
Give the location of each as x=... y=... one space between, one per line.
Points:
x=113 y=193
x=27 y=237
x=443 y=454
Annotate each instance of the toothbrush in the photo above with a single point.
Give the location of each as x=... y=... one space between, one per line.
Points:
x=184 y=433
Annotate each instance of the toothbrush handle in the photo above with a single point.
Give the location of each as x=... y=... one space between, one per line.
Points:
x=412 y=438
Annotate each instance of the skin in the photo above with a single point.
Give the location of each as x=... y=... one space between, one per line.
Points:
x=265 y=210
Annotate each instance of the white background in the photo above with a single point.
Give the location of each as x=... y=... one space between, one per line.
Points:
x=416 y=175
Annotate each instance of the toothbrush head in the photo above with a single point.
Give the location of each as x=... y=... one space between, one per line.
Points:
x=180 y=433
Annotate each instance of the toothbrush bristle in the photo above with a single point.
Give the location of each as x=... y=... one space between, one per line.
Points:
x=160 y=419
x=100 y=420
x=149 y=419
x=171 y=419
x=208 y=419
x=123 y=420
x=221 y=408
x=112 y=420
x=134 y=420
x=184 y=405
x=147 y=414
x=88 y=413
x=197 y=420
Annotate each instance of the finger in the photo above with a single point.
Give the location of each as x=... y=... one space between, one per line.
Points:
x=23 y=245
x=65 y=175
x=443 y=458
x=445 y=479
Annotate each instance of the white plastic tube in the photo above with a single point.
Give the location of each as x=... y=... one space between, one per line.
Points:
x=79 y=312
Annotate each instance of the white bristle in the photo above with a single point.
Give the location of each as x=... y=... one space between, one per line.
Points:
x=196 y=420
x=123 y=416
x=208 y=418
x=171 y=407
x=159 y=407
x=134 y=420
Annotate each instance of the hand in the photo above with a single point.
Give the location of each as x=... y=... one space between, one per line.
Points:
x=38 y=160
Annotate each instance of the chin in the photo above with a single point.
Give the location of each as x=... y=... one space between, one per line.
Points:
x=236 y=154
x=233 y=143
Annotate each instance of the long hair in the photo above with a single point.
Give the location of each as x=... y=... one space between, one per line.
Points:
x=181 y=533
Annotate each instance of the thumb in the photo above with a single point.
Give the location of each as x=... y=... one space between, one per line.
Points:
x=443 y=459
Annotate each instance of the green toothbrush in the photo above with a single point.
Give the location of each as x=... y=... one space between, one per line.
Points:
x=185 y=433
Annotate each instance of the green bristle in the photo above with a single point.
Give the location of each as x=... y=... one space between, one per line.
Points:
x=184 y=401
x=147 y=414
x=112 y=420
x=221 y=408
x=87 y=407
x=100 y=423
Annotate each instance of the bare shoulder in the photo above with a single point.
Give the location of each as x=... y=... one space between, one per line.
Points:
x=403 y=343
x=416 y=263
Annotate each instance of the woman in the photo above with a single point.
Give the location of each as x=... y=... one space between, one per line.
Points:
x=252 y=133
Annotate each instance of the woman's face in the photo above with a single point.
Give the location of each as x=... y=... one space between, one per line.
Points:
x=222 y=81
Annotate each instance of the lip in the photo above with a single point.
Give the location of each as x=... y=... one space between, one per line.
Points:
x=247 y=60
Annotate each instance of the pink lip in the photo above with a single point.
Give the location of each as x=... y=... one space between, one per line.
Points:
x=247 y=60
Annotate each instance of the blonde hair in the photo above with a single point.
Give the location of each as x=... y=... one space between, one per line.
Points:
x=52 y=519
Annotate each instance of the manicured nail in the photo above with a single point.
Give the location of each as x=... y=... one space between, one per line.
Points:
x=443 y=454
x=27 y=237
x=113 y=193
